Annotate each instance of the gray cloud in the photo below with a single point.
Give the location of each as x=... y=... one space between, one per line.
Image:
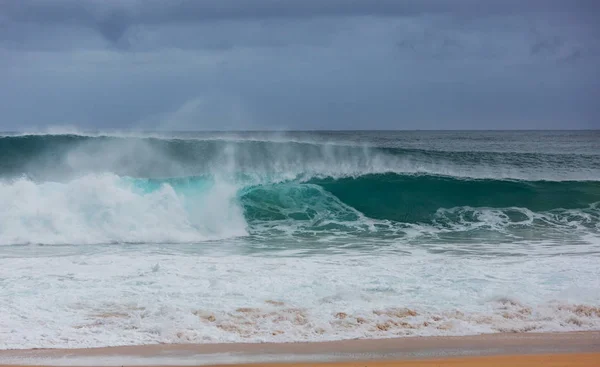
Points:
x=112 y=19
x=335 y=64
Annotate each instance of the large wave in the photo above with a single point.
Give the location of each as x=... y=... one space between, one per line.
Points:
x=59 y=189
x=103 y=208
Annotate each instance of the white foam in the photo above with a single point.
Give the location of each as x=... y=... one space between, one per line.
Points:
x=104 y=208
x=196 y=294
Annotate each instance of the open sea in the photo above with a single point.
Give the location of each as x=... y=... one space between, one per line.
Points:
x=138 y=238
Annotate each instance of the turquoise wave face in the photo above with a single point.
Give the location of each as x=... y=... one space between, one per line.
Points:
x=389 y=204
x=418 y=198
x=192 y=189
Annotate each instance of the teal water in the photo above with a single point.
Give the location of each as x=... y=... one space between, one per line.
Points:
x=355 y=183
x=262 y=236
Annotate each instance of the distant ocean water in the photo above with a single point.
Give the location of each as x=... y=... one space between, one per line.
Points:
x=131 y=238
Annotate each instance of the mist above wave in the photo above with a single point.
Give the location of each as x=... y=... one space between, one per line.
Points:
x=104 y=209
x=62 y=157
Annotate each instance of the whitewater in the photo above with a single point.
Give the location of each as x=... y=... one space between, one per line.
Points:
x=138 y=238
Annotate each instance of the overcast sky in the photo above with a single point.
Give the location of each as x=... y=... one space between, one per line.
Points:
x=299 y=64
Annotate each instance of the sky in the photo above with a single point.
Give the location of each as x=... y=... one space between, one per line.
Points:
x=299 y=64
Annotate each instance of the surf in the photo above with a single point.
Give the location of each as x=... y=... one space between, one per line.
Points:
x=88 y=189
x=107 y=208
x=435 y=233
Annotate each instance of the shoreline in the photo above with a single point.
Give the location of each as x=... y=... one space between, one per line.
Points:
x=393 y=349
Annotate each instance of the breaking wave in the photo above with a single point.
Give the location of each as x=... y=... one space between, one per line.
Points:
x=106 y=208
x=63 y=189
x=249 y=237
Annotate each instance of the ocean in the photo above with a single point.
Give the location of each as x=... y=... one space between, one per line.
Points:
x=139 y=238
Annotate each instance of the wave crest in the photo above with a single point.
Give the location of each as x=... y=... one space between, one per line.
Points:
x=62 y=157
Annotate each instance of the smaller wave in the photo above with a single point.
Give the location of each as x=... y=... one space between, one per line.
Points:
x=500 y=219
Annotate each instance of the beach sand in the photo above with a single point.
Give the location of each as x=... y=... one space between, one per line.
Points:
x=541 y=349
x=560 y=360
x=549 y=360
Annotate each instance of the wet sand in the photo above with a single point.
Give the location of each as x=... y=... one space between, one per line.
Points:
x=552 y=360
x=549 y=360
x=542 y=349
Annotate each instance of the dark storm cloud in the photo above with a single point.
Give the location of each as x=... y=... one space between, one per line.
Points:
x=113 y=18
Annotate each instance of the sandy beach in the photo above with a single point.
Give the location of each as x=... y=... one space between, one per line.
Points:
x=550 y=360
x=543 y=349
